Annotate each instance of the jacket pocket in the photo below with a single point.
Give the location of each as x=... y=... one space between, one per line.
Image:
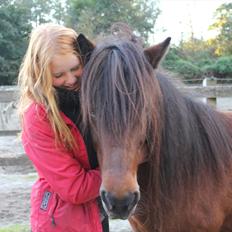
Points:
x=47 y=208
x=45 y=200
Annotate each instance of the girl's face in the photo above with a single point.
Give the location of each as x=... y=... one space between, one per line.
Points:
x=66 y=71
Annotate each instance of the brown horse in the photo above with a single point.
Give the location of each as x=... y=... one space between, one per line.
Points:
x=166 y=160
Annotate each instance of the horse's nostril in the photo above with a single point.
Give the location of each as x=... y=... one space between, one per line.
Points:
x=120 y=207
x=134 y=200
x=106 y=199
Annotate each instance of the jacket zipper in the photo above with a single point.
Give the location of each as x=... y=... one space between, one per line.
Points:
x=53 y=211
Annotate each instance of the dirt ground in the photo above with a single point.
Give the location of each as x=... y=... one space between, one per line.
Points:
x=16 y=178
x=15 y=193
x=14 y=207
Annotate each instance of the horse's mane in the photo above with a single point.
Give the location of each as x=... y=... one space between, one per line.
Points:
x=195 y=150
x=195 y=138
x=118 y=90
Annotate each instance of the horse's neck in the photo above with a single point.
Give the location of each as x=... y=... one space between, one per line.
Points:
x=228 y=116
x=192 y=132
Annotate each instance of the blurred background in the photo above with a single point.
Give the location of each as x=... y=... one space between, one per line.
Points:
x=201 y=30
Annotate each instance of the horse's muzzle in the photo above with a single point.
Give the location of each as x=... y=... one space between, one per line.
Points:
x=120 y=208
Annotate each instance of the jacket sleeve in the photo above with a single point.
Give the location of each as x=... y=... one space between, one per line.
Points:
x=64 y=173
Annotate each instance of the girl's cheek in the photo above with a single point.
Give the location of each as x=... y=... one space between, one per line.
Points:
x=57 y=82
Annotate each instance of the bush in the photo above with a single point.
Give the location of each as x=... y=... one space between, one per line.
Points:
x=185 y=68
x=171 y=58
x=178 y=62
x=222 y=68
x=188 y=70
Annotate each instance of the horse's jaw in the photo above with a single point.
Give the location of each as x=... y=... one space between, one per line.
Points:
x=119 y=190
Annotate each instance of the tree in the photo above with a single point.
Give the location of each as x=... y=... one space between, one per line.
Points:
x=43 y=11
x=94 y=17
x=223 y=25
x=14 y=29
x=17 y=17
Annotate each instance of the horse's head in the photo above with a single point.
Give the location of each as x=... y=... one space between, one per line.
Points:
x=120 y=101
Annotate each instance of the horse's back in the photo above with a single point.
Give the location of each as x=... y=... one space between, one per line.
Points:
x=227 y=224
x=228 y=114
x=226 y=200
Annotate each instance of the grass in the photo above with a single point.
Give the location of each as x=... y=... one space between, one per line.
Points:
x=15 y=228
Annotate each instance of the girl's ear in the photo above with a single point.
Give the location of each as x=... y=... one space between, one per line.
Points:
x=84 y=47
x=155 y=53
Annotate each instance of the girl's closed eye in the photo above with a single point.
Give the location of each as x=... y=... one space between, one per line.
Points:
x=75 y=68
x=58 y=75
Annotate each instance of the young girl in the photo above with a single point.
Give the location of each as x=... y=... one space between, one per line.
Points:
x=64 y=198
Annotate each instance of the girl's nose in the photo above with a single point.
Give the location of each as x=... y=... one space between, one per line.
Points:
x=72 y=79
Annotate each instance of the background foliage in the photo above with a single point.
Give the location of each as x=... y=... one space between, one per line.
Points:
x=91 y=17
x=195 y=59
x=192 y=59
x=14 y=28
x=95 y=17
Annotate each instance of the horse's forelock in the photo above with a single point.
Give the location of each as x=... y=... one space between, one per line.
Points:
x=120 y=90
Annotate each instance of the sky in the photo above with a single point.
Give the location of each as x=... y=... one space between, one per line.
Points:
x=179 y=17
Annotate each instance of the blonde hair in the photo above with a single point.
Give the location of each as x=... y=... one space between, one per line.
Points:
x=35 y=78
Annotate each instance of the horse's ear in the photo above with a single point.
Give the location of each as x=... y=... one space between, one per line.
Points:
x=155 y=53
x=85 y=47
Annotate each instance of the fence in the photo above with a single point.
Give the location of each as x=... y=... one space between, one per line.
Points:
x=9 y=123
x=200 y=81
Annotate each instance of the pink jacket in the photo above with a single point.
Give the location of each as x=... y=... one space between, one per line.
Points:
x=63 y=199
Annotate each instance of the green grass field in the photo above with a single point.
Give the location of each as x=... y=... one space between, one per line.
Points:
x=15 y=228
